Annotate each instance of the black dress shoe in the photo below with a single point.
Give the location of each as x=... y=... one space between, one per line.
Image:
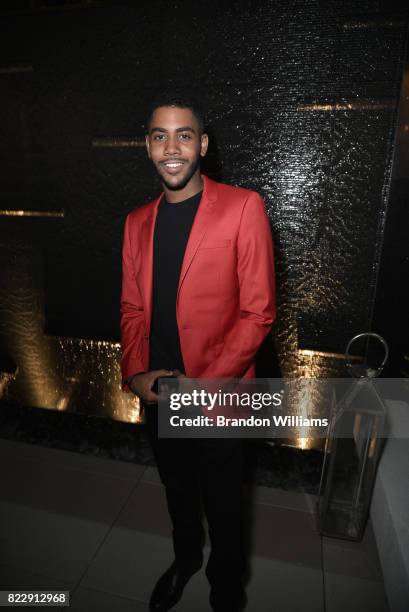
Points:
x=169 y=588
x=222 y=601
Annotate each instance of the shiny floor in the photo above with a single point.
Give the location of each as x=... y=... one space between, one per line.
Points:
x=99 y=528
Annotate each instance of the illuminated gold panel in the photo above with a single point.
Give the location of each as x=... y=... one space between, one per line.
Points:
x=309 y=353
x=74 y=375
x=32 y=213
x=118 y=142
x=347 y=105
x=16 y=68
x=366 y=25
x=67 y=374
x=5 y=380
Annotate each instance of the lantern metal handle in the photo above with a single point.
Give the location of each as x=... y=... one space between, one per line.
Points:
x=370 y=373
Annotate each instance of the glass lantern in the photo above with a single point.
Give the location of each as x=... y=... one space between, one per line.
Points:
x=354 y=444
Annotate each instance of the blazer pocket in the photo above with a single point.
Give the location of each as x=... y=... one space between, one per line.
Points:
x=215 y=244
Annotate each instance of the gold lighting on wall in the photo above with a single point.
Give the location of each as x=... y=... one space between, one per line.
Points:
x=5 y=380
x=16 y=68
x=308 y=353
x=118 y=142
x=347 y=105
x=32 y=213
x=309 y=400
x=366 y=25
x=65 y=374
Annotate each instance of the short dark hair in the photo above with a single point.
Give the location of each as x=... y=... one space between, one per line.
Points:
x=179 y=100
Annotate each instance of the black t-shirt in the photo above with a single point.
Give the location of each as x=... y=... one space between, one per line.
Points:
x=172 y=229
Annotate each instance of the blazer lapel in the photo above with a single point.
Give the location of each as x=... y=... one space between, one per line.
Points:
x=147 y=233
x=200 y=224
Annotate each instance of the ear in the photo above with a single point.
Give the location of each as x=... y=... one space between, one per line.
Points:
x=147 y=145
x=204 y=143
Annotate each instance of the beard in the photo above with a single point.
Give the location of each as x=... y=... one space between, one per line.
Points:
x=183 y=180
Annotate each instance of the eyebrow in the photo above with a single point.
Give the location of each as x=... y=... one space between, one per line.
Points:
x=187 y=128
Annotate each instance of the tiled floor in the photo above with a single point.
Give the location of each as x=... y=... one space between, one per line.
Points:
x=100 y=529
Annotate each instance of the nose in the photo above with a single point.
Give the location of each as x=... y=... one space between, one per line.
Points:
x=172 y=145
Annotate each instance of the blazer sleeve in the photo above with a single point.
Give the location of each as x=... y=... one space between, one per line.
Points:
x=255 y=270
x=132 y=312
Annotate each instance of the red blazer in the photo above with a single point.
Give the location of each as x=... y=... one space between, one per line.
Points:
x=226 y=294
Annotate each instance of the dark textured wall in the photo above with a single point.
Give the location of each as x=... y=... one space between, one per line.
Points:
x=301 y=98
x=392 y=295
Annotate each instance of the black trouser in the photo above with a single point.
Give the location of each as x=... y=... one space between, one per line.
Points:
x=206 y=472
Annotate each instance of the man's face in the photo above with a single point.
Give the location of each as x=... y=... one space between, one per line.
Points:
x=175 y=145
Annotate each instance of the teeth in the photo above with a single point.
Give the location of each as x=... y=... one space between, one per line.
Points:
x=173 y=165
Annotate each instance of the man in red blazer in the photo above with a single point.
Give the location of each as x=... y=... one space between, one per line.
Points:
x=198 y=299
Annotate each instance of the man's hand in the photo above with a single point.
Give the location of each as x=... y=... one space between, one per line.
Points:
x=186 y=385
x=141 y=384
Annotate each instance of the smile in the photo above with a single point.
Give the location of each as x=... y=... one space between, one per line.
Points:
x=173 y=164
x=173 y=167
